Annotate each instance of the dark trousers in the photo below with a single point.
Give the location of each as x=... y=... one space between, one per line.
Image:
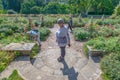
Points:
x=70 y=28
x=62 y=51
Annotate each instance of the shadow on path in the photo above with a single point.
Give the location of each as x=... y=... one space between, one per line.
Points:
x=70 y=72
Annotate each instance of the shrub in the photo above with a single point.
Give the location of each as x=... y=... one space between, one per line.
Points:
x=8 y=29
x=11 y=12
x=76 y=23
x=15 y=38
x=56 y=8
x=116 y=11
x=35 y=10
x=107 y=44
x=81 y=34
x=44 y=32
x=26 y=6
x=105 y=31
x=110 y=65
x=5 y=59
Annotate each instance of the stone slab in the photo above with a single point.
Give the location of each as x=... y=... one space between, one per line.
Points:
x=19 y=47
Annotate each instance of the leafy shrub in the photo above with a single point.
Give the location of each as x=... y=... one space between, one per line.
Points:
x=9 y=29
x=108 y=21
x=116 y=11
x=35 y=10
x=16 y=38
x=93 y=31
x=49 y=23
x=55 y=8
x=11 y=12
x=44 y=32
x=5 y=59
x=110 y=65
x=77 y=23
x=107 y=44
x=105 y=31
x=81 y=34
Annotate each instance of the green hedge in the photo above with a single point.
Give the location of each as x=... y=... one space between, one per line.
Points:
x=110 y=65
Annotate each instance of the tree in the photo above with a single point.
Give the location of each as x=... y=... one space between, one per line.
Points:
x=26 y=6
x=35 y=10
x=39 y=2
x=14 y=4
x=56 y=8
x=4 y=4
x=52 y=8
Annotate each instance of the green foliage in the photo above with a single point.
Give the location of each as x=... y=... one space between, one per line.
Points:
x=14 y=76
x=81 y=34
x=55 y=8
x=11 y=12
x=85 y=50
x=105 y=31
x=35 y=10
x=109 y=44
x=16 y=38
x=117 y=10
x=26 y=6
x=34 y=51
x=8 y=29
x=5 y=59
x=44 y=32
x=110 y=65
x=62 y=6
x=77 y=23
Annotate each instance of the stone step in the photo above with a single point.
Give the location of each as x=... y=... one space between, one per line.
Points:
x=27 y=71
x=90 y=71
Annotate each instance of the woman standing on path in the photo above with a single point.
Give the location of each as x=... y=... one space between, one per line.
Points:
x=63 y=38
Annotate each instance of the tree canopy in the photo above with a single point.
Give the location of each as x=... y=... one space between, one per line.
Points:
x=60 y=6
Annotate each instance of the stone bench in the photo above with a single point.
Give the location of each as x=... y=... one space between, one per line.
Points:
x=23 y=48
x=94 y=52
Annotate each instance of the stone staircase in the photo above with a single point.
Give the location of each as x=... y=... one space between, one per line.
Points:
x=46 y=67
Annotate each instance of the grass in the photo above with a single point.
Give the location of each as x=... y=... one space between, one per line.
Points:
x=14 y=76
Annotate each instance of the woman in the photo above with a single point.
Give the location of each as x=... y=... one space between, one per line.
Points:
x=63 y=38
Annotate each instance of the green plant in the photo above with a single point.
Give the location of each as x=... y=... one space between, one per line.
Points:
x=110 y=65
x=107 y=44
x=35 y=10
x=34 y=51
x=11 y=12
x=105 y=31
x=77 y=23
x=44 y=32
x=81 y=34
x=5 y=59
x=14 y=76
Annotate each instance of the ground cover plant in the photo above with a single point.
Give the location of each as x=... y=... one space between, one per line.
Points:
x=14 y=76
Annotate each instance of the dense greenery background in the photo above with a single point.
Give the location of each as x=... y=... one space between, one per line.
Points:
x=59 y=6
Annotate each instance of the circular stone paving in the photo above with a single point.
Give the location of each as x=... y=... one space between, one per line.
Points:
x=47 y=63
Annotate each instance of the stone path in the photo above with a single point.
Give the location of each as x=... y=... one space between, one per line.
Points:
x=46 y=67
